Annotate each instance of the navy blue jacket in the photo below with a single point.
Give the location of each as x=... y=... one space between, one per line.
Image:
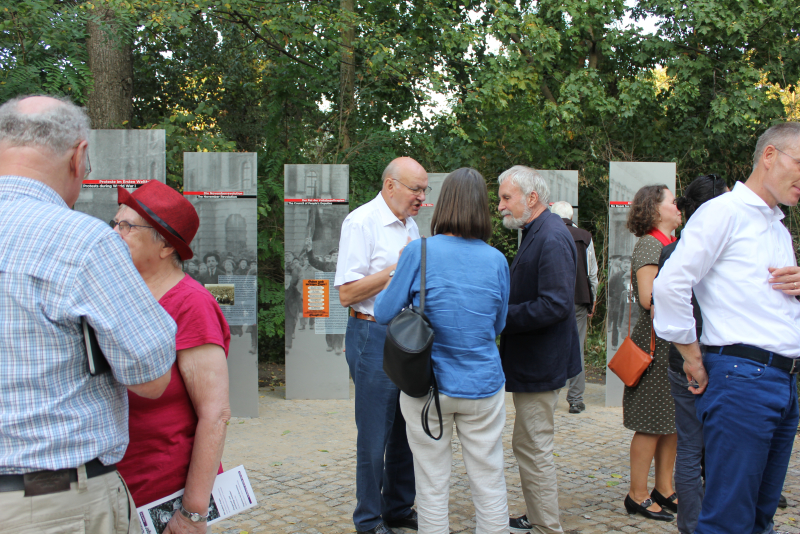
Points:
x=539 y=346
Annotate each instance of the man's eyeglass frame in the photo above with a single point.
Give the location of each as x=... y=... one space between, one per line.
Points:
x=787 y=155
x=416 y=190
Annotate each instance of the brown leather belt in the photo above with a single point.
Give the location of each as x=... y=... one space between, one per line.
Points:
x=359 y=315
x=94 y=468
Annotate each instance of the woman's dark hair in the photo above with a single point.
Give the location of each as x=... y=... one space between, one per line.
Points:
x=702 y=189
x=463 y=206
x=643 y=216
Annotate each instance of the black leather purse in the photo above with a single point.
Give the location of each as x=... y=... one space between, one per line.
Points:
x=407 y=354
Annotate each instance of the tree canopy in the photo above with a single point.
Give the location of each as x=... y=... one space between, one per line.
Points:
x=569 y=84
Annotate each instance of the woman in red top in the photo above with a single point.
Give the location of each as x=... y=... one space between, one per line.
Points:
x=176 y=441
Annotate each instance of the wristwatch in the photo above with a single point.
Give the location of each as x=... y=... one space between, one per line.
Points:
x=194 y=517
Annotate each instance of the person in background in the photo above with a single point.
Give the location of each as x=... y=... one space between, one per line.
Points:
x=293 y=304
x=689 y=458
x=202 y=272
x=539 y=346
x=177 y=440
x=243 y=267
x=211 y=260
x=616 y=286
x=585 y=296
x=739 y=259
x=372 y=238
x=191 y=268
x=466 y=301
x=648 y=408
x=229 y=267
x=63 y=430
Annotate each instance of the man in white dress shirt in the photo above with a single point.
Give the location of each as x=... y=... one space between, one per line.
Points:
x=747 y=401
x=372 y=239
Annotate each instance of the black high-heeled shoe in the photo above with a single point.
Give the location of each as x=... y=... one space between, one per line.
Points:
x=665 y=502
x=633 y=508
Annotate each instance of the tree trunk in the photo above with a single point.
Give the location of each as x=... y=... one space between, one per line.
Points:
x=347 y=76
x=110 y=100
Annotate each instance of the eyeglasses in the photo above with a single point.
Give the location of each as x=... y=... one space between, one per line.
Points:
x=788 y=156
x=416 y=190
x=125 y=226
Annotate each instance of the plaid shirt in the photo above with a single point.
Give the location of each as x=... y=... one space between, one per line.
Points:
x=57 y=265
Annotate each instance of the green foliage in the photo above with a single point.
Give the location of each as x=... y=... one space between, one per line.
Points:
x=42 y=49
x=550 y=84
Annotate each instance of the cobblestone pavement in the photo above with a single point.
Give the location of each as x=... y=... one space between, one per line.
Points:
x=300 y=456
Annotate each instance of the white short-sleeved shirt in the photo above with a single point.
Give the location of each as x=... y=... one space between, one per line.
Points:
x=371 y=240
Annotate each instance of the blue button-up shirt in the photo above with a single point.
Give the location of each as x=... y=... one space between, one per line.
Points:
x=57 y=265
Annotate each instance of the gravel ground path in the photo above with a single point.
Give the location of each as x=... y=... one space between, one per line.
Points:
x=300 y=456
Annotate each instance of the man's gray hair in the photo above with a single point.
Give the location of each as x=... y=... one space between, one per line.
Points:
x=528 y=181
x=562 y=209
x=781 y=136
x=57 y=128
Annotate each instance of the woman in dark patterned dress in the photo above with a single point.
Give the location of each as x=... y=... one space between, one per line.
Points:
x=648 y=408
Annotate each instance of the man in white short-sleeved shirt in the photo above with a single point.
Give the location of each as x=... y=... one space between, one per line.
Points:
x=738 y=257
x=371 y=242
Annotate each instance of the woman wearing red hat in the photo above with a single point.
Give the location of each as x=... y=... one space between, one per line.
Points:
x=176 y=441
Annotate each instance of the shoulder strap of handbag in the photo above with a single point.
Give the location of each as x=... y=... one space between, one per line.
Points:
x=652 y=328
x=433 y=394
x=422 y=279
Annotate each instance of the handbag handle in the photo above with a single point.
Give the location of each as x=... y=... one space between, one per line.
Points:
x=652 y=328
x=422 y=279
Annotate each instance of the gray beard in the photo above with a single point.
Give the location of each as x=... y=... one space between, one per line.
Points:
x=515 y=223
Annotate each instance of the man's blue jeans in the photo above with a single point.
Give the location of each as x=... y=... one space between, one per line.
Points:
x=688 y=462
x=385 y=466
x=749 y=414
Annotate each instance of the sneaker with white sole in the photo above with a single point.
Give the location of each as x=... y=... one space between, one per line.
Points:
x=519 y=524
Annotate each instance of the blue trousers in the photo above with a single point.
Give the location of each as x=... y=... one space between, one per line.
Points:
x=688 y=462
x=384 y=464
x=749 y=413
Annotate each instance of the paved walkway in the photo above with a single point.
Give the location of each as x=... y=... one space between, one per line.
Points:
x=300 y=456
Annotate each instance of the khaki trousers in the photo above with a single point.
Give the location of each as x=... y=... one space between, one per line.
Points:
x=99 y=505
x=533 y=447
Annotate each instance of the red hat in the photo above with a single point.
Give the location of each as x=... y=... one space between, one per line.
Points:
x=167 y=211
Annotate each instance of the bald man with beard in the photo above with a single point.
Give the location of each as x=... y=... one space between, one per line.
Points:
x=371 y=242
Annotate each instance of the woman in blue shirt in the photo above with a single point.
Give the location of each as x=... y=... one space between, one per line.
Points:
x=466 y=301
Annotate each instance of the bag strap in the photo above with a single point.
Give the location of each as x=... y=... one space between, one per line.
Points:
x=422 y=279
x=652 y=328
x=630 y=304
x=433 y=395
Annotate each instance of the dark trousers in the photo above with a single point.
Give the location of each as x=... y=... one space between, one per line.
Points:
x=749 y=414
x=689 y=460
x=384 y=464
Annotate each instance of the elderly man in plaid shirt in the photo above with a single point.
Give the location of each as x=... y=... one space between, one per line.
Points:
x=61 y=429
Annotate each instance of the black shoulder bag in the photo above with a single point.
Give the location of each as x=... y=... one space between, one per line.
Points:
x=407 y=354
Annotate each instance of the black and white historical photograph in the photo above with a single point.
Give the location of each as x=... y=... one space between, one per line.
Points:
x=423 y=218
x=315 y=363
x=120 y=155
x=224 y=293
x=303 y=182
x=625 y=179
x=225 y=253
x=220 y=171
